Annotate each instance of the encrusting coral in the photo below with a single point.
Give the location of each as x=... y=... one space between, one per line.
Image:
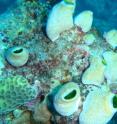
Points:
x=41 y=112
x=24 y=118
x=17 y=113
x=15 y=91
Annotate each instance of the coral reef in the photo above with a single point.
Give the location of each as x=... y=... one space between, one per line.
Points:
x=17 y=113
x=79 y=62
x=15 y=91
x=24 y=118
x=41 y=112
x=89 y=39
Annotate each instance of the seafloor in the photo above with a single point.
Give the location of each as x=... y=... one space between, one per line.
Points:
x=50 y=63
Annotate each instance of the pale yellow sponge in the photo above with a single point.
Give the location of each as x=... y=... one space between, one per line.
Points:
x=111 y=38
x=98 y=107
x=94 y=74
x=110 y=58
x=84 y=20
x=89 y=39
x=17 y=55
x=60 y=19
x=67 y=99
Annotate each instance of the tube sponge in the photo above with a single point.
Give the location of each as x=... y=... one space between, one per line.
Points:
x=96 y=69
x=84 y=20
x=111 y=38
x=17 y=55
x=98 y=107
x=60 y=19
x=67 y=99
x=110 y=73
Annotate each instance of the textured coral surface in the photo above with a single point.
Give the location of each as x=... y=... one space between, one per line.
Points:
x=14 y=91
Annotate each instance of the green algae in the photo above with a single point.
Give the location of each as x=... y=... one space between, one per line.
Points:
x=71 y=95
x=14 y=93
x=104 y=62
x=115 y=101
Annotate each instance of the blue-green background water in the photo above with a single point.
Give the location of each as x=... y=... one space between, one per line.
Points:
x=5 y=4
x=105 y=11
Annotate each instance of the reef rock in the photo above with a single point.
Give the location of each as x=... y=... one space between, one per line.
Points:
x=89 y=39
x=41 y=112
x=24 y=118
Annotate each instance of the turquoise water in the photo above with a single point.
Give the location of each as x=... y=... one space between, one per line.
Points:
x=5 y=4
x=105 y=11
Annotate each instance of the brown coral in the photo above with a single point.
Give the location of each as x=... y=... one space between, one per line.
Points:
x=41 y=113
x=23 y=119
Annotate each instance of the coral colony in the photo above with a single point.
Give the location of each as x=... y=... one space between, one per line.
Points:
x=64 y=74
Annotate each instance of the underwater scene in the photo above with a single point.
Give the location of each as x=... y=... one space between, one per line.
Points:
x=58 y=61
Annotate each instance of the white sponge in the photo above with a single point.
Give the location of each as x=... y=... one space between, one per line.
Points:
x=84 y=20
x=60 y=19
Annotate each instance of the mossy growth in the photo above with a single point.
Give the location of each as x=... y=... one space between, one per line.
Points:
x=115 y=101
x=15 y=91
x=104 y=61
x=70 y=95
